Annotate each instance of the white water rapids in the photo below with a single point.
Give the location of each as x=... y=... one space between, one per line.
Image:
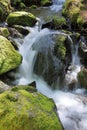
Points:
x=71 y=106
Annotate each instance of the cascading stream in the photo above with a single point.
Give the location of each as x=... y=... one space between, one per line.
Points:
x=71 y=106
x=57 y=5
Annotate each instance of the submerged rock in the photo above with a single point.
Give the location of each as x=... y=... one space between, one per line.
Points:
x=9 y=57
x=23 y=109
x=21 y=18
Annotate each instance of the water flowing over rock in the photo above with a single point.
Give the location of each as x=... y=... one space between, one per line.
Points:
x=54 y=56
x=51 y=62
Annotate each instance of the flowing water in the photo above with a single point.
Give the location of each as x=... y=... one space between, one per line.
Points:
x=71 y=106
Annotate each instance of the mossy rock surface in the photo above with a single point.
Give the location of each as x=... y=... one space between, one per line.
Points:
x=24 y=110
x=72 y=9
x=9 y=57
x=4 y=32
x=5 y=9
x=21 y=18
x=82 y=78
x=23 y=3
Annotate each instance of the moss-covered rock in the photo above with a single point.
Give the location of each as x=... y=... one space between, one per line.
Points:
x=45 y=2
x=82 y=19
x=55 y=22
x=4 y=32
x=23 y=3
x=21 y=29
x=72 y=9
x=62 y=47
x=59 y=22
x=5 y=9
x=21 y=18
x=54 y=56
x=83 y=52
x=82 y=78
x=9 y=57
x=24 y=110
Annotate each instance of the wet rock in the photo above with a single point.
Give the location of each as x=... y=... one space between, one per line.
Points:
x=4 y=31
x=5 y=9
x=75 y=37
x=21 y=18
x=55 y=22
x=21 y=29
x=82 y=77
x=72 y=85
x=14 y=33
x=3 y=87
x=83 y=52
x=53 y=57
x=33 y=84
x=72 y=10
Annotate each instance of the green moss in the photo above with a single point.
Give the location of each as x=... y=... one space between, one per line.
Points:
x=27 y=88
x=82 y=77
x=30 y=111
x=59 y=48
x=22 y=5
x=4 y=32
x=9 y=57
x=21 y=18
x=45 y=2
x=80 y=21
x=5 y=9
x=72 y=9
x=59 y=22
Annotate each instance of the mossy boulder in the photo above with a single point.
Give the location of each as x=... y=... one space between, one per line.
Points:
x=62 y=47
x=53 y=57
x=83 y=52
x=21 y=18
x=82 y=19
x=9 y=57
x=72 y=10
x=82 y=78
x=5 y=9
x=4 y=31
x=23 y=3
x=21 y=109
x=55 y=22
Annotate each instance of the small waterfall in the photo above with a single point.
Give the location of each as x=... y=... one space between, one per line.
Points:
x=71 y=106
x=74 y=68
x=57 y=5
